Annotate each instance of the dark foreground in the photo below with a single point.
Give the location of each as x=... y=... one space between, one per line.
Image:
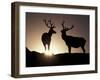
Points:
x=35 y=59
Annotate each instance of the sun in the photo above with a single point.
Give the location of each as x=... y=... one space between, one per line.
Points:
x=48 y=53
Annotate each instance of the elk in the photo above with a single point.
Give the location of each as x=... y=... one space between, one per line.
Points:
x=71 y=41
x=46 y=37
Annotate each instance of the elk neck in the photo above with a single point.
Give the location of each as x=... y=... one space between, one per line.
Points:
x=49 y=33
x=64 y=35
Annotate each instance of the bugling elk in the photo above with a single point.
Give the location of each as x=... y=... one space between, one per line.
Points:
x=46 y=37
x=70 y=40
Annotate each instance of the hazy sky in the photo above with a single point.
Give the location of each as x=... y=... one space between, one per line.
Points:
x=35 y=27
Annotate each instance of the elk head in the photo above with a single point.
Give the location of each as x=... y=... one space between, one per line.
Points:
x=64 y=27
x=50 y=25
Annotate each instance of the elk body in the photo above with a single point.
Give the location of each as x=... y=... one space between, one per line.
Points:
x=71 y=41
x=46 y=37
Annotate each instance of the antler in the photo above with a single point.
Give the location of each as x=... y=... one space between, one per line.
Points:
x=46 y=23
x=63 y=24
x=69 y=28
x=49 y=24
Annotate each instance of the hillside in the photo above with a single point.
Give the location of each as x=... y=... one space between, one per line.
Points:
x=34 y=59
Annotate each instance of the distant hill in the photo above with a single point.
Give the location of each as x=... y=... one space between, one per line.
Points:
x=34 y=59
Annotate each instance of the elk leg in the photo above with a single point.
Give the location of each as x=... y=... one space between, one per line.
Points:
x=69 y=49
x=44 y=46
x=48 y=46
x=83 y=49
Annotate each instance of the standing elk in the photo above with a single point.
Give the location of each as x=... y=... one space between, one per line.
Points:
x=70 y=40
x=46 y=37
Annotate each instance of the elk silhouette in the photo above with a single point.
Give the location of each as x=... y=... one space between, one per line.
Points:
x=46 y=37
x=70 y=40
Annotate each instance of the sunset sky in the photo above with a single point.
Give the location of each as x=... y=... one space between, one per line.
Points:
x=35 y=27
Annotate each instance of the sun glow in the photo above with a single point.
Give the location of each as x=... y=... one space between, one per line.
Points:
x=48 y=53
x=54 y=48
